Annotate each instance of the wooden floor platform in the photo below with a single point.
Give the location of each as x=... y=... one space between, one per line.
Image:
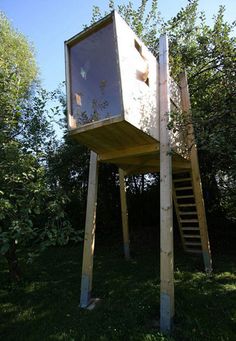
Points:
x=111 y=134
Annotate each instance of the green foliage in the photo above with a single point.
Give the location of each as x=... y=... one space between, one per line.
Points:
x=17 y=70
x=46 y=305
x=32 y=211
x=208 y=55
x=68 y=170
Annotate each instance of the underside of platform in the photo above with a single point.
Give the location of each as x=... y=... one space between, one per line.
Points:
x=140 y=163
x=118 y=142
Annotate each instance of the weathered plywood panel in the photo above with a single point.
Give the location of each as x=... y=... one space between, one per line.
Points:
x=175 y=93
x=138 y=72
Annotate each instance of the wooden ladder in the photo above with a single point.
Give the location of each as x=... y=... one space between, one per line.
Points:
x=191 y=217
x=187 y=192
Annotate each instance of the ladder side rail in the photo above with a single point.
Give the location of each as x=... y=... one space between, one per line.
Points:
x=196 y=179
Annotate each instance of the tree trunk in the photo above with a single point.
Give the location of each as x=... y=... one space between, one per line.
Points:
x=143 y=183
x=137 y=191
x=13 y=265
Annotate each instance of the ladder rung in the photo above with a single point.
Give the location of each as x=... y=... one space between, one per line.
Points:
x=193 y=244
x=193 y=251
x=183 y=188
x=192 y=236
x=182 y=180
x=186 y=205
x=184 y=196
x=194 y=228
x=188 y=213
x=189 y=220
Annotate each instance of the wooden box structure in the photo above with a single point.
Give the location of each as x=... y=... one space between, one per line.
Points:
x=119 y=99
x=112 y=82
x=112 y=96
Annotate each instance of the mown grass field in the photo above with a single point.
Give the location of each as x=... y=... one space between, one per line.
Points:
x=45 y=306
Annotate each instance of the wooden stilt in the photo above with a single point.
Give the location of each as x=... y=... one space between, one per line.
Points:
x=124 y=214
x=166 y=212
x=89 y=237
x=196 y=178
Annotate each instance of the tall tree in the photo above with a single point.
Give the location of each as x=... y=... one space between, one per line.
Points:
x=31 y=211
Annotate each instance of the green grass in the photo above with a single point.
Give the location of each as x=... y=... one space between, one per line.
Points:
x=45 y=306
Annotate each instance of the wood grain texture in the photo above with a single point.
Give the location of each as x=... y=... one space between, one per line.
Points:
x=166 y=211
x=124 y=214
x=89 y=236
x=110 y=135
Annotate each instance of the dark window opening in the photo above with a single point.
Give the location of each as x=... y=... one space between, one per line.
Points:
x=138 y=46
x=147 y=81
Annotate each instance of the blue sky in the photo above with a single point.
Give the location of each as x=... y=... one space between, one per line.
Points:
x=48 y=23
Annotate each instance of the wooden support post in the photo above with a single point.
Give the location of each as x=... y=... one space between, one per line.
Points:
x=124 y=214
x=89 y=236
x=196 y=178
x=166 y=212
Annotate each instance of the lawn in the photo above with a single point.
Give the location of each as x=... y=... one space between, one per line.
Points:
x=45 y=306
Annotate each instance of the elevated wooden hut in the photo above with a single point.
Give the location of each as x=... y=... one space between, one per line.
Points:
x=119 y=102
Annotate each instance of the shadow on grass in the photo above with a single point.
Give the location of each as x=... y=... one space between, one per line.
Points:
x=46 y=305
